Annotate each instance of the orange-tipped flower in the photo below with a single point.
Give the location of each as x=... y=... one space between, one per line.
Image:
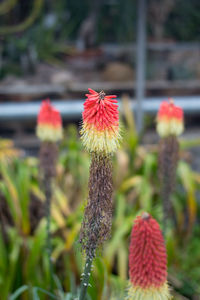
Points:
x=147 y=261
x=100 y=129
x=169 y=119
x=49 y=123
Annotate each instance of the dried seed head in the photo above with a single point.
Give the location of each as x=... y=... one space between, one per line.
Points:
x=98 y=212
x=100 y=129
x=147 y=261
x=48 y=158
x=170 y=119
x=49 y=123
x=168 y=155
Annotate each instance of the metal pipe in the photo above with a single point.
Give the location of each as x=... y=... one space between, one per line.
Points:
x=17 y=111
x=72 y=109
x=140 y=63
x=115 y=49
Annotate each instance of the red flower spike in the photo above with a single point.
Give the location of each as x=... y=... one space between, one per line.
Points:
x=49 y=123
x=100 y=111
x=170 y=119
x=170 y=111
x=100 y=130
x=147 y=261
x=49 y=115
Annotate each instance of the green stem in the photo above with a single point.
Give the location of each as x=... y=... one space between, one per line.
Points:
x=85 y=278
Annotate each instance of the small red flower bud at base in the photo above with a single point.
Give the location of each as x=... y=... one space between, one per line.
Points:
x=100 y=128
x=170 y=119
x=49 y=123
x=147 y=261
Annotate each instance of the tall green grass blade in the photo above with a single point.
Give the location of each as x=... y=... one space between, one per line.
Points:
x=18 y=292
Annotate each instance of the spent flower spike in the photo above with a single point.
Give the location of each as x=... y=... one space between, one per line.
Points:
x=170 y=119
x=100 y=128
x=49 y=123
x=100 y=136
x=147 y=261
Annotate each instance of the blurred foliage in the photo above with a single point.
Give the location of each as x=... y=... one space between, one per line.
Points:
x=7 y=150
x=38 y=30
x=24 y=263
x=184 y=21
x=37 y=4
x=42 y=31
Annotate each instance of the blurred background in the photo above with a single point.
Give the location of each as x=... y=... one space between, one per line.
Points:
x=58 y=49
x=144 y=52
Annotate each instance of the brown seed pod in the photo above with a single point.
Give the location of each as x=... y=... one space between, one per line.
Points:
x=48 y=158
x=98 y=212
x=168 y=159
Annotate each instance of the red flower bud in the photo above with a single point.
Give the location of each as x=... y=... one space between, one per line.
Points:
x=49 y=123
x=170 y=119
x=147 y=261
x=100 y=129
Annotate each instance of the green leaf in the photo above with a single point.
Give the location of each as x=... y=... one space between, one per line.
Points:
x=18 y=292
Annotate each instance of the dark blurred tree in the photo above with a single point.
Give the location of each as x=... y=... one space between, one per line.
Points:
x=19 y=11
x=117 y=22
x=158 y=12
x=183 y=23
x=41 y=30
x=87 y=35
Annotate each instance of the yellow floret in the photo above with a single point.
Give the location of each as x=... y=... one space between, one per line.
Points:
x=172 y=127
x=106 y=141
x=49 y=133
x=153 y=293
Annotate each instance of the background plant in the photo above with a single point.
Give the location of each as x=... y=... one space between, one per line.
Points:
x=24 y=263
x=40 y=30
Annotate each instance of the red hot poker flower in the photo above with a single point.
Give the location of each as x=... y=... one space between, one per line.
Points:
x=100 y=129
x=147 y=261
x=170 y=119
x=49 y=123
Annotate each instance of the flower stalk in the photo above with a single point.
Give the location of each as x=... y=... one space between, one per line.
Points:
x=169 y=126
x=168 y=160
x=100 y=136
x=49 y=131
x=86 y=277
